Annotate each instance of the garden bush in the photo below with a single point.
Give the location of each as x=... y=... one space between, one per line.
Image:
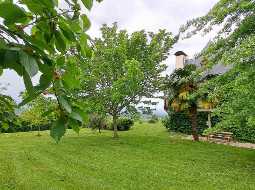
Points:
x=153 y=119
x=23 y=127
x=123 y=124
x=8 y=119
x=180 y=122
x=241 y=131
x=97 y=122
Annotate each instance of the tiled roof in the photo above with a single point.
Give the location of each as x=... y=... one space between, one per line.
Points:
x=217 y=69
x=180 y=53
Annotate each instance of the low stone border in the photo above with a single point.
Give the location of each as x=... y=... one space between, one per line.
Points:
x=232 y=143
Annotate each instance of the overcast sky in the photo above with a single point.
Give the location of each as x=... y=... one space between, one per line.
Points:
x=134 y=15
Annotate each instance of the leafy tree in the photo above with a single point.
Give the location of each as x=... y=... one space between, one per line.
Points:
x=35 y=110
x=180 y=87
x=97 y=121
x=8 y=118
x=234 y=45
x=40 y=36
x=124 y=68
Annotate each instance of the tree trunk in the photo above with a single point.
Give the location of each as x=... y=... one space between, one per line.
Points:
x=115 y=129
x=39 y=130
x=193 y=117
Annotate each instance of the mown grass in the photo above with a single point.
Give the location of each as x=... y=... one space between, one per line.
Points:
x=146 y=157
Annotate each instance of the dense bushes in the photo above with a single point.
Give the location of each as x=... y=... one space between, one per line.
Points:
x=153 y=119
x=241 y=131
x=97 y=122
x=100 y=122
x=10 y=125
x=123 y=124
x=24 y=128
x=180 y=122
x=17 y=125
x=31 y=117
x=8 y=118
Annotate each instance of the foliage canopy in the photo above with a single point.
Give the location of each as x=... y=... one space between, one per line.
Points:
x=43 y=37
x=124 y=68
x=234 y=45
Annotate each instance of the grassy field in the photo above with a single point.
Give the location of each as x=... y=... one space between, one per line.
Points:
x=146 y=157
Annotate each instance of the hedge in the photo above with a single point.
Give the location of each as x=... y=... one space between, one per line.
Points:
x=180 y=122
x=24 y=128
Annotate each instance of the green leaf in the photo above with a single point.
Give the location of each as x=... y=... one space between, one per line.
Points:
x=89 y=52
x=7 y=101
x=75 y=25
x=45 y=80
x=3 y=44
x=58 y=130
x=60 y=61
x=5 y=126
x=74 y=125
x=88 y=3
x=28 y=83
x=60 y=42
x=29 y=63
x=83 y=45
x=34 y=6
x=10 y=61
x=11 y=13
x=66 y=30
x=48 y=112
x=82 y=113
x=49 y=3
x=83 y=39
x=46 y=67
x=55 y=2
x=38 y=7
x=76 y=116
x=38 y=40
x=71 y=81
x=71 y=76
x=64 y=103
x=86 y=23
x=29 y=99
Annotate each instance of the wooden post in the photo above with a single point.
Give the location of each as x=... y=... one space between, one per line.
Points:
x=209 y=120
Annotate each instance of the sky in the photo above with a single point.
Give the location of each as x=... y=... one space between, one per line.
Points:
x=153 y=15
x=133 y=15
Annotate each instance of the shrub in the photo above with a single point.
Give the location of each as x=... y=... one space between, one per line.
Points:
x=123 y=124
x=180 y=122
x=140 y=121
x=242 y=133
x=97 y=122
x=212 y=130
x=8 y=118
x=153 y=119
x=24 y=127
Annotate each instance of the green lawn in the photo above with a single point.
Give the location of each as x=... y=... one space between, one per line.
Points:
x=146 y=157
